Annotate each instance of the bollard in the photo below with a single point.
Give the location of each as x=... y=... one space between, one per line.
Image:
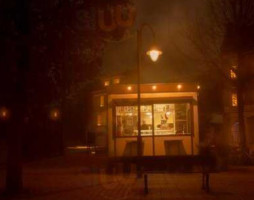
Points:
x=145 y=184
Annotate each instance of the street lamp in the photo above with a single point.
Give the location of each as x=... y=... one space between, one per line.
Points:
x=154 y=54
x=54 y=114
x=4 y=113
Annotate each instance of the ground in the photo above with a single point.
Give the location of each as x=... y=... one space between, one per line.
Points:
x=79 y=178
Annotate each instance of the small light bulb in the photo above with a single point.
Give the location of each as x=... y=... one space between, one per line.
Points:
x=55 y=114
x=154 y=87
x=106 y=83
x=129 y=88
x=4 y=114
x=179 y=87
x=198 y=87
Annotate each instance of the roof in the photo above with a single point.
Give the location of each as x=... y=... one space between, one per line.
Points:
x=148 y=88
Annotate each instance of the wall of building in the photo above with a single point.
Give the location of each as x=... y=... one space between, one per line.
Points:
x=159 y=141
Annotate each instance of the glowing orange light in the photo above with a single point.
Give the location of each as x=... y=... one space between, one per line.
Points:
x=106 y=83
x=234 y=100
x=101 y=101
x=54 y=114
x=154 y=87
x=233 y=74
x=116 y=81
x=99 y=120
x=198 y=87
x=179 y=87
x=154 y=54
x=129 y=88
x=4 y=113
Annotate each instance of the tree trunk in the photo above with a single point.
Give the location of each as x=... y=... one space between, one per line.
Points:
x=14 y=182
x=241 y=119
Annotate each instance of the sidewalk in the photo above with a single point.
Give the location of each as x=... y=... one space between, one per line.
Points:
x=51 y=181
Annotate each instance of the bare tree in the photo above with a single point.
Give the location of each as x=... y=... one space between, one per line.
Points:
x=221 y=27
x=51 y=51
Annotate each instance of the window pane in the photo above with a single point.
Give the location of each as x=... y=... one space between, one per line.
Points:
x=126 y=120
x=101 y=101
x=169 y=119
x=146 y=120
x=164 y=119
x=234 y=100
x=182 y=118
x=172 y=119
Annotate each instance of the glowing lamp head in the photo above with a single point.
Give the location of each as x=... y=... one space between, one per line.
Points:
x=106 y=83
x=179 y=86
x=198 y=87
x=154 y=87
x=154 y=54
x=54 y=114
x=4 y=114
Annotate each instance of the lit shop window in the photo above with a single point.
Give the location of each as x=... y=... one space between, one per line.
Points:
x=169 y=119
x=101 y=101
x=232 y=74
x=164 y=119
x=234 y=100
x=116 y=81
x=146 y=120
x=127 y=120
x=99 y=120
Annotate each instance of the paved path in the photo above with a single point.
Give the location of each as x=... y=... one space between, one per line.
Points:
x=74 y=183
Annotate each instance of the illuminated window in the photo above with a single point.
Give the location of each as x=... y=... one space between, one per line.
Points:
x=116 y=81
x=232 y=74
x=99 y=120
x=106 y=83
x=127 y=120
x=234 y=100
x=101 y=101
x=169 y=119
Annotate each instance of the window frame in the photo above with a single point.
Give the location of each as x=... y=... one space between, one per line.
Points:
x=151 y=102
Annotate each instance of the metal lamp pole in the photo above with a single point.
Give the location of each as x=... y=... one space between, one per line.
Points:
x=139 y=53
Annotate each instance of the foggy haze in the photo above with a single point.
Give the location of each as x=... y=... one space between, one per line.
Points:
x=168 y=19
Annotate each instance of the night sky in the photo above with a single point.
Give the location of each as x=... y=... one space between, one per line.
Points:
x=169 y=18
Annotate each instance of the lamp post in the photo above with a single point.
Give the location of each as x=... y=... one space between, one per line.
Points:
x=154 y=55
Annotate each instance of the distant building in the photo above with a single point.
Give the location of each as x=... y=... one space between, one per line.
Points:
x=169 y=118
x=230 y=61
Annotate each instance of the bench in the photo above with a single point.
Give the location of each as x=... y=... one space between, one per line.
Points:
x=158 y=164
